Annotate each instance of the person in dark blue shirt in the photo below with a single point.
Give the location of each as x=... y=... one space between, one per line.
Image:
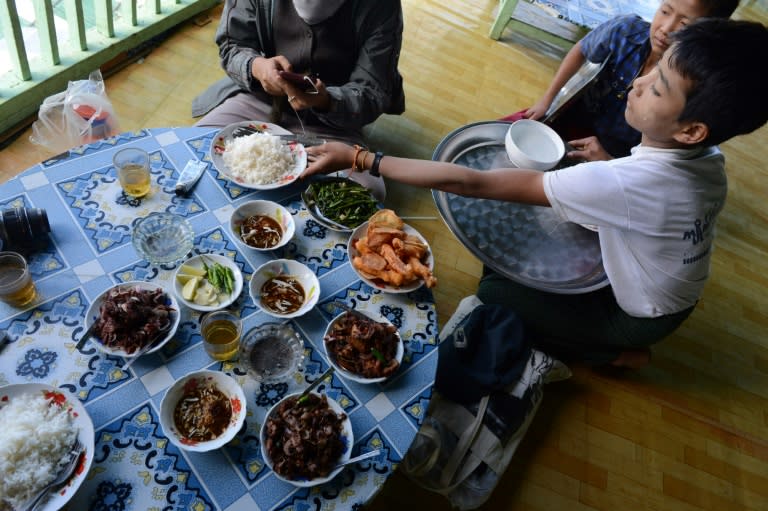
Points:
x=632 y=47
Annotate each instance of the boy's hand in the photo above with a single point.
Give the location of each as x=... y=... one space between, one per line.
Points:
x=328 y=157
x=588 y=149
x=538 y=110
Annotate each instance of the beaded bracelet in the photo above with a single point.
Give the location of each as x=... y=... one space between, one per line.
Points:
x=364 y=154
x=354 y=158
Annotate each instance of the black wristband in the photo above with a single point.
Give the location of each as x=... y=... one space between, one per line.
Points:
x=375 y=165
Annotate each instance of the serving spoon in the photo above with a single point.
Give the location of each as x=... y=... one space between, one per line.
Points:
x=359 y=457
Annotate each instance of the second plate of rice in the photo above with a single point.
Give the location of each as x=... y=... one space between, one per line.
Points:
x=251 y=155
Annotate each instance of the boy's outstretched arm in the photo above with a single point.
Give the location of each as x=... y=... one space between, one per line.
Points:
x=514 y=185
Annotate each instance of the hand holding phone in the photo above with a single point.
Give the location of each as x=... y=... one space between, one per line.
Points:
x=304 y=82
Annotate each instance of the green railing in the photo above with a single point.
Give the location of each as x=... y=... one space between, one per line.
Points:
x=73 y=38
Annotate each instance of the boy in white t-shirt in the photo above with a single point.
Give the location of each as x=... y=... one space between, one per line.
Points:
x=655 y=209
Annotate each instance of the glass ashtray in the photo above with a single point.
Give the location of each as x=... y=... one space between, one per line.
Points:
x=162 y=237
x=271 y=352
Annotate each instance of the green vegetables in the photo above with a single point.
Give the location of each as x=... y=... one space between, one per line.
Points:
x=343 y=202
x=220 y=277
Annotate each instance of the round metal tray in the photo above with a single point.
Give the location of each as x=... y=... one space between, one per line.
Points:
x=528 y=244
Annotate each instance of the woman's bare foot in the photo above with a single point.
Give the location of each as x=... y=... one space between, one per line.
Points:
x=633 y=359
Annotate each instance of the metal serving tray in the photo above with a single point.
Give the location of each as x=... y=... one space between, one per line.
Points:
x=528 y=244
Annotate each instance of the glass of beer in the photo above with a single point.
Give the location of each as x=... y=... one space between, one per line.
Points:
x=221 y=334
x=16 y=286
x=132 y=166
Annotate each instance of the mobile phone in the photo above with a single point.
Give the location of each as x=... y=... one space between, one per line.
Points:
x=305 y=82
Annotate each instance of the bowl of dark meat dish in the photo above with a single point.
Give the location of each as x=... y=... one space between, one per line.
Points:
x=262 y=225
x=132 y=315
x=202 y=411
x=304 y=439
x=284 y=288
x=363 y=348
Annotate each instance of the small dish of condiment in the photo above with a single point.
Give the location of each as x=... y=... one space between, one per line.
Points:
x=284 y=288
x=262 y=225
x=202 y=411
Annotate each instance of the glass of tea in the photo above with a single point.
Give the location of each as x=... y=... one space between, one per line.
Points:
x=132 y=166
x=221 y=334
x=16 y=286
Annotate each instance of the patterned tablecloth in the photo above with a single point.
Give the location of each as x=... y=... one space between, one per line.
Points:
x=135 y=466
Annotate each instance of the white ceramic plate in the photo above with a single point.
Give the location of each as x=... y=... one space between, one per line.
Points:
x=360 y=232
x=81 y=420
x=197 y=262
x=353 y=376
x=93 y=313
x=291 y=174
x=226 y=385
x=307 y=197
x=346 y=434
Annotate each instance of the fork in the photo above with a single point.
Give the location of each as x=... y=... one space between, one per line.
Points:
x=63 y=475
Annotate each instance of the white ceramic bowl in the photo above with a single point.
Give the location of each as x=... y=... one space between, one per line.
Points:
x=265 y=208
x=93 y=313
x=533 y=145
x=347 y=438
x=349 y=374
x=360 y=232
x=288 y=267
x=183 y=386
x=197 y=262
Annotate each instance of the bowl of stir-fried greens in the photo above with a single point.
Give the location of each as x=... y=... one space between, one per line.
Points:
x=339 y=203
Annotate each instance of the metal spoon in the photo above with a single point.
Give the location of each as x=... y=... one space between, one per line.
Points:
x=360 y=457
x=315 y=383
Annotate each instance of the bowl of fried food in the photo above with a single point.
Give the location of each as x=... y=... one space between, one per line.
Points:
x=363 y=349
x=133 y=317
x=305 y=439
x=390 y=255
x=262 y=225
x=202 y=411
x=284 y=288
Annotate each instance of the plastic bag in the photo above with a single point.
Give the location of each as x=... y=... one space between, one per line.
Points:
x=77 y=116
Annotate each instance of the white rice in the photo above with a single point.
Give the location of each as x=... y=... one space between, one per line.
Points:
x=35 y=438
x=259 y=158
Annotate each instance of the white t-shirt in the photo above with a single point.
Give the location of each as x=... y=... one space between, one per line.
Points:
x=655 y=211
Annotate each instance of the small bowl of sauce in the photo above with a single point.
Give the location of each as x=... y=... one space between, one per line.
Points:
x=262 y=225
x=284 y=288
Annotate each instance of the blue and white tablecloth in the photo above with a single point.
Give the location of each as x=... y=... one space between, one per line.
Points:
x=135 y=466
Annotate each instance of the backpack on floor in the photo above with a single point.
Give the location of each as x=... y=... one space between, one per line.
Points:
x=487 y=390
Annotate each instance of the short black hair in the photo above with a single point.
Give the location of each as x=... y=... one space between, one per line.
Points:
x=721 y=60
x=719 y=8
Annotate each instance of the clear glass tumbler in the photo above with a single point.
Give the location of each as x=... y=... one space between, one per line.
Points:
x=221 y=334
x=16 y=286
x=132 y=166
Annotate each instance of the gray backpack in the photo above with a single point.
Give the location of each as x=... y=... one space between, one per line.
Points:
x=464 y=445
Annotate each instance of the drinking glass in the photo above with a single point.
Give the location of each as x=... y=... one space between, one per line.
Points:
x=132 y=166
x=221 y=334
x=16 y=286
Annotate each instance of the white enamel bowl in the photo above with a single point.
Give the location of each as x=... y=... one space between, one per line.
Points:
x=226 y=385
x=301 y=272
x=264 y=208
x=197 y=262
x=533 y=145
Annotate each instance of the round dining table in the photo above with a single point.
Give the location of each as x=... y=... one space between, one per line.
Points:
x=134 y=464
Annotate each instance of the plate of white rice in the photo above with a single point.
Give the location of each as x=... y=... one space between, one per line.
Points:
x=252 y=155
x=39 y=424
